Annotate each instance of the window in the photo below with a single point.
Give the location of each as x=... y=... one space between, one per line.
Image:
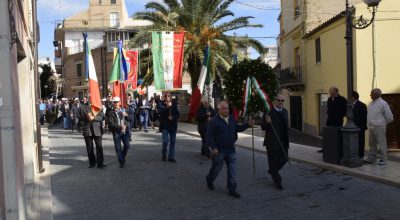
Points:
x=114 y=2
x=114 y=19
x=318 y=50
x=79 y=69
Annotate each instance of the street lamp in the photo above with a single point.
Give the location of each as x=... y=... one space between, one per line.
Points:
x=350 y=130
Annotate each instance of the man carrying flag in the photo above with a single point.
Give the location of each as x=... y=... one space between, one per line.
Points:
x=91 y=117
x=204 y=79
x=276 y=127
x=119 y=74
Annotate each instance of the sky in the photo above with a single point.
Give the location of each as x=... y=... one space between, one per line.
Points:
x=265 y=12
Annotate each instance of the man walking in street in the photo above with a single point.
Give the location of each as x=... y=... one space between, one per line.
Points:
x=42 y=111
x=92 y=130
x=204 y=114
x=360 y=120
x=221 y=137
x=276 y=127
x=379 y=115
x=117 y=123
x=144 y=113
x=75 y=115
x=169 y=115
x=336 y=109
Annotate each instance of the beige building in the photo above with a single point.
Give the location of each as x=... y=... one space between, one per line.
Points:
x=19 y=128
x=105 y=22
x=374 y=59
x=297 y=18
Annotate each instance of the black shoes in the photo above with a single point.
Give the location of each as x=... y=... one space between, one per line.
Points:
x=172 y=160
x=234 y=194
x=164 y=158
x=320 y=151
x=102 y=166
x=278 y=186
x=91 y=165
x=121 y=165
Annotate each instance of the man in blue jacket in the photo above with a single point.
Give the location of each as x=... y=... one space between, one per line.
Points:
x=221 y=137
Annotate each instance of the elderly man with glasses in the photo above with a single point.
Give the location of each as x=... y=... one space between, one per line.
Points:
x=276 y=127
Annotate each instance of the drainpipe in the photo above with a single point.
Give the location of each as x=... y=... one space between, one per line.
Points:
x=374 y=77
x=39 y=155
x=8 y=163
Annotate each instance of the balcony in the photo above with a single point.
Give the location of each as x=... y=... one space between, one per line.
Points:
x=57 y=61
x=292 y=78
x=57 y=53
x=111 y=45
x=74 y=50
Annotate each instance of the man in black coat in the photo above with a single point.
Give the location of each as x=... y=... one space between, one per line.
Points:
x=92 y=130
x=336 y=108
x=118 y=122
x=204 y=114
x=360 y=120
x=276 y=127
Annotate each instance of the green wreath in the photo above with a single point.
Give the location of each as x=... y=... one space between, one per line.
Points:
x=234 y=82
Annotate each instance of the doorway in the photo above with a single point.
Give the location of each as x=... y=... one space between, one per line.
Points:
x=296 y=113
x=392 y=130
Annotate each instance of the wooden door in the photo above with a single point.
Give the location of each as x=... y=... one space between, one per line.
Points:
x=393 y=129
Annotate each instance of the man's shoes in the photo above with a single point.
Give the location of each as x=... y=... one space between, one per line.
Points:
x=130 y=139
x=320 y=151
x=278 y=186
x=234 y=194
x=164 y=158
x=381 y=162
x=91 y=165
x=210 y=185
x=370 y=161
x=172 y=160
x=121 y=165
x=102 y=166
x=146 y=131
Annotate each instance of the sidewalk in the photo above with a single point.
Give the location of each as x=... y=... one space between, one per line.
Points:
x=388 y=174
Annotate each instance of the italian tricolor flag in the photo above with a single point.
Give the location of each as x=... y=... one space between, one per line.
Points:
x=204 y=79
x=167 y=49
x=94 y=91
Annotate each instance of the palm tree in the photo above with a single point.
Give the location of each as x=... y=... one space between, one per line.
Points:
x=201 y=20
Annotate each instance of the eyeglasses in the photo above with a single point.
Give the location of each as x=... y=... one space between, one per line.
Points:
x=280 y=100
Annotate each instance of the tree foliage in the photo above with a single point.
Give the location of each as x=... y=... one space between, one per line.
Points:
x=205 y=22
x=234 y=81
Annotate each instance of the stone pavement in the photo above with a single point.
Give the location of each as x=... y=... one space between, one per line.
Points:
x=388 y=174
x=148 y=188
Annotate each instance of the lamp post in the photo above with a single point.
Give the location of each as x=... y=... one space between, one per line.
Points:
x=350 y=130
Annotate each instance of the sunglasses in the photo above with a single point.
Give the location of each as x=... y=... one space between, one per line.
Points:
x=280 y=100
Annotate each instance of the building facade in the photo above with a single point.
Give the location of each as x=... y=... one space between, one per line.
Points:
x=374 y=60
x=105 y=23
x=19 y=128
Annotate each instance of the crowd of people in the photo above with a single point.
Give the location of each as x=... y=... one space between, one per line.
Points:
x=218 y=129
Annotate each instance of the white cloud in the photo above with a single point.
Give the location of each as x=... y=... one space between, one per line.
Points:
x=60 y=8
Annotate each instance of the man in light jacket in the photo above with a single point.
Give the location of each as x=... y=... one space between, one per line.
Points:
x=379 y=115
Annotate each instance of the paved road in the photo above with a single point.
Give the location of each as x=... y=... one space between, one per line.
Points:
x=148 y=188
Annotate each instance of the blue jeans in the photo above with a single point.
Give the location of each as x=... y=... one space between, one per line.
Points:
x=168 y=136
x=216 y=167
x=121 y=152
x=144 y=120
x=66 y=122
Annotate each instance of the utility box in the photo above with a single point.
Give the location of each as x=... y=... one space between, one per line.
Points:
x=332 y=145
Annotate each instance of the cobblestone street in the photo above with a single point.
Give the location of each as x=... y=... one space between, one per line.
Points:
x=148 y=188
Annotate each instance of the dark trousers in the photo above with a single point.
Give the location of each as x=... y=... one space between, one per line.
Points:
x=90 y=151
x=276 y=160
x=361 y=144
x=204 y=148
x=42 y=113
x=216 y=167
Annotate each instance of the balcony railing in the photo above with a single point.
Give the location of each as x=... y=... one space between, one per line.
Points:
x=112 y=44
x=291 y=76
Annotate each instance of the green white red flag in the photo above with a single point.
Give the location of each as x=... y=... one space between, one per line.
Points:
x=94 y=91
x=247 y=93
x=167 y=49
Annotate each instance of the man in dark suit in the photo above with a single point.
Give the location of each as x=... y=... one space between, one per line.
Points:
x=360 y=120
x=336 y=108
x=204 y=114
x=92 y=130
x=144 y=112
x=276 y=140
